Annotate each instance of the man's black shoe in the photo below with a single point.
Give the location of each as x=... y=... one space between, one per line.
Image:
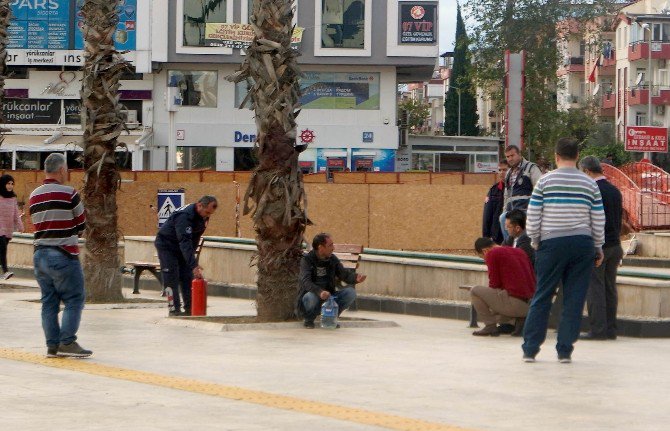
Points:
x=611 y=337
x=506 y=328
x=518 y=327
x=590 y=336
x=174 y=313
x=185 y=313
x=309 y=324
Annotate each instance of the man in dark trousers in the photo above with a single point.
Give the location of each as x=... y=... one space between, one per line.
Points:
x=493 y=206
x=320 y=272
x=176 y=244
x=601 y=298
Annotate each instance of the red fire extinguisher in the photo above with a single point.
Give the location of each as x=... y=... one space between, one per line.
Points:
x=199 y=297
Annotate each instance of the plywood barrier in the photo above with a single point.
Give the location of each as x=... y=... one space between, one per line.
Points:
x=479 y=179
x=349 y=177
x=185 y=176
x=146 y=176
x=218 y=177
x=414 y=178
x=455 y=178
x=381 y=178
x=316 y=178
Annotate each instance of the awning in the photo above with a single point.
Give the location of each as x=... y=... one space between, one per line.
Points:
x=35 y=143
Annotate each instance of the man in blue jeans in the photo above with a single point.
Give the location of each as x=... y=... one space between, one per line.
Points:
x=320 y=272
x=59 y=218
x=566 y=223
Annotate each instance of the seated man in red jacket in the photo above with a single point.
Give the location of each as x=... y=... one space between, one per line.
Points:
x=511 y=286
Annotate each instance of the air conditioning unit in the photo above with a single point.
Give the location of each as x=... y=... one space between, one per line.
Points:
x=660 y=110
x=130 y=118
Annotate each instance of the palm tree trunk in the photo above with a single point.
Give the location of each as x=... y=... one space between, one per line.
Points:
x=103 y=67
x=276 y=186
x=5 y=18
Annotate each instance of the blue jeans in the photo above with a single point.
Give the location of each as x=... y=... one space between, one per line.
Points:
x=61 y=279
x=312 y=303
x=569 y=260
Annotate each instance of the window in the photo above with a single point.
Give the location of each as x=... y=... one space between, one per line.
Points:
x=641 y=119
x=190 y=158
x=197 y=14
x=423 y=161
x=196 y=88
x=342 y=24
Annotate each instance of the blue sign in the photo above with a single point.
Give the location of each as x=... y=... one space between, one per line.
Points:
x=56 y=25
x=169 y=200
x=368 y=137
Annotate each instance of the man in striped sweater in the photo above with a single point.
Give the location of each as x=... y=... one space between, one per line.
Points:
x=566 y=223
x=59 y=218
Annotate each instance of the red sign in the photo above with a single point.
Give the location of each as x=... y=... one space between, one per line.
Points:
x=338 y=162
x=647 y=138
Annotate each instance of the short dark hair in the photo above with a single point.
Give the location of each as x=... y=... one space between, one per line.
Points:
x=512 y=147
x=320 y=239
x=517 y=217
x=503 y=162
x=592 y=164
x=567 y=148
x=207 y=199
x=483 y=243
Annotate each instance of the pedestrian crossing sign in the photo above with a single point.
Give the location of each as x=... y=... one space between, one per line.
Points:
x=169 y=200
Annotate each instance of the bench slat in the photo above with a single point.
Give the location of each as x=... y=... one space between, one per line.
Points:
x=348 y=256
x=350 y=265
x=152 y=264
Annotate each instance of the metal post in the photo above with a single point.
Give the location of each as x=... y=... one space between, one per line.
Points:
x=647 y=154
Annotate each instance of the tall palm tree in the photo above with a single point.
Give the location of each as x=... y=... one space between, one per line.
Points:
x=276 y=186
x=5 y=18
x=103 y=67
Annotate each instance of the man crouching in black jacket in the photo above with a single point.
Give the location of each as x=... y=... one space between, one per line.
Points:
x=320 y=273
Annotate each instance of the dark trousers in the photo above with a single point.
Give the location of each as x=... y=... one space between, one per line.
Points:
x=570 y=260
x=176 y=273
x=602 y=299
x=3 y=252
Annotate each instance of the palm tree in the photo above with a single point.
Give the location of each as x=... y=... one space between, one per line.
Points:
x=103 y=67
x=5 y=18
x=276 y=186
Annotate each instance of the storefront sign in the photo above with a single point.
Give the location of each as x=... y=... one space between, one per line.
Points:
x=31 y=111
x=647 y=138
x=240 y=36
x=418 y=22
x=340 y=90
x=54 y=85
x=485 y=167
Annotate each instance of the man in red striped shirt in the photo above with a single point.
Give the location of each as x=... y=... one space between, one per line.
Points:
x=511 y=286
x=58 y=214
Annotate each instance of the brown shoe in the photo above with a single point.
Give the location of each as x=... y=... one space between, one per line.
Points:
x=488 y=330
x=518 y=327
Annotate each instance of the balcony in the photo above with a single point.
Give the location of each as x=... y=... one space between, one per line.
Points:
x=640 y=51
x=608 y=65
x=608 y=101
x=638 y=96
x=575 y=64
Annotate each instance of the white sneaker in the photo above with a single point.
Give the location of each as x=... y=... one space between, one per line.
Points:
x=7 y=275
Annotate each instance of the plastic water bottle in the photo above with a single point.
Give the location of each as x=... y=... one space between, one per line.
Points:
x=329 y=312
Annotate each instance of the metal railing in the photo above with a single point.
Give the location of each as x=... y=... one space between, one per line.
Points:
x=646 y=194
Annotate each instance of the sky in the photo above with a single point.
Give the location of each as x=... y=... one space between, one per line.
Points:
x=447 y=17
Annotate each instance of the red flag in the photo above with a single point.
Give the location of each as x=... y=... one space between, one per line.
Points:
x=592 y=76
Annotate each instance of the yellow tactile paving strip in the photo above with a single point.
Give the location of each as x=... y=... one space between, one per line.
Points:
x=266 y=399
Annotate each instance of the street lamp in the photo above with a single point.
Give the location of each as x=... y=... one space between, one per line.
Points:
x=646 y=26
x=458 y=90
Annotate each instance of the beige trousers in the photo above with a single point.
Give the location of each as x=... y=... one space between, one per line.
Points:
x=495 y=305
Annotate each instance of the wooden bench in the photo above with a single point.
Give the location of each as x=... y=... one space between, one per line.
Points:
x=137 y=268
x=349 y=254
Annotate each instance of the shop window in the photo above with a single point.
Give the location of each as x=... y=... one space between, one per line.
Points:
x=6 y=160
x=307 y=167
x=245 y=159
x=197 y=14
x=343 y=24
x=196 y=88
x=17 y=72
x=191 y=158
x=423 y=162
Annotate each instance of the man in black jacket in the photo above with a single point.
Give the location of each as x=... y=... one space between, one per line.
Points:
x=320 y=273
x=602 y=298
x=515 y=224
x=176 y=243
x=493 y=206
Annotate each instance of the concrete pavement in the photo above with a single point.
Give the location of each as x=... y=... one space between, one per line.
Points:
x=423 y=374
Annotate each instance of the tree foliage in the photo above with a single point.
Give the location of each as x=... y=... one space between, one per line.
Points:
x=461 y=80
x=537 y=27
x=418 y=113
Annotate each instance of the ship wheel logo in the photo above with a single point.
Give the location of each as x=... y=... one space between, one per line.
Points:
x=307 y=136
x=417 y=12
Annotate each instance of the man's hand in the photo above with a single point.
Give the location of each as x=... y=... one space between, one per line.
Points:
x=324 y=295
x=360 y=278
x=197 y=272
x=599 y=257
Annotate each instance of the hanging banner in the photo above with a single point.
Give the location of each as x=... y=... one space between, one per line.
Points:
x=418 y=22
x=239 y=36
x=647 y=138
